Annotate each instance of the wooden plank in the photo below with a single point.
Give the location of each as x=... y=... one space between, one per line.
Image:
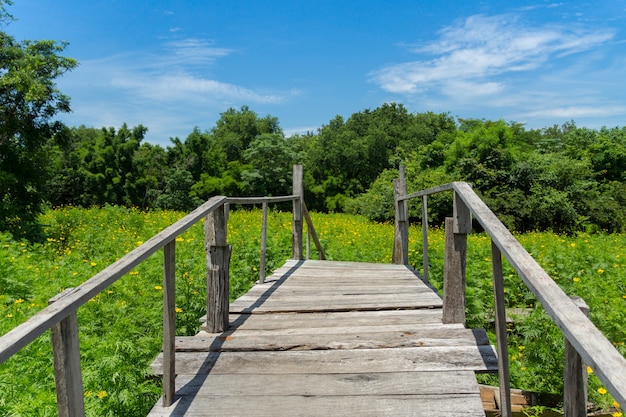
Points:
x=318 y=340
x=339 y=305
x=595 y=349
x=292 y=394
x=479 y=359
x=261 y=200
x=448 y=405
x=350 y=296
x=290 y=321
x=382 y=383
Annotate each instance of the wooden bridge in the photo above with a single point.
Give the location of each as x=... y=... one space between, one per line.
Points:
x=333 y=338
x=324 y=338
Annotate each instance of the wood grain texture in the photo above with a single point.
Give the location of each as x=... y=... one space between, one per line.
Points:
x=325 y=338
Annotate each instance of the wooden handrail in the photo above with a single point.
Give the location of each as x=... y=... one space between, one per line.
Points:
x=594 y=348
x=62 y=312
x=22 y=335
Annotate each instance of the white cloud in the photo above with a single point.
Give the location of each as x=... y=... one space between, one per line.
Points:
x=573 y=112
x=473 y=51
x=189 y=88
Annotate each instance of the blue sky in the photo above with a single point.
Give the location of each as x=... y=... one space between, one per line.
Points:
x=173 y=65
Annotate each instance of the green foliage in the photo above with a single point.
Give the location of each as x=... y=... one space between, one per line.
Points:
x=29 y=101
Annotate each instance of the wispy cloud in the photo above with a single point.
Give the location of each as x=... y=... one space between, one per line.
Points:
x=471 y=53
x=150 y=87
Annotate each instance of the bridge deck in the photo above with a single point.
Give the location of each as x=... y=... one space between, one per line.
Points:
x=325 y=338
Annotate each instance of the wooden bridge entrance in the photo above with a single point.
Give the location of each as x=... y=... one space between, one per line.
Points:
x=323 y=338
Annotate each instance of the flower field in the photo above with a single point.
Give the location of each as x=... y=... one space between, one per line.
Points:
x=120 y=329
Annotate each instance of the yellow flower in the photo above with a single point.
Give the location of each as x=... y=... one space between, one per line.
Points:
x=102 y=394
x=19 y=301
x=617 y=414
x=600 y=270
x=573 y=245
x=158 y=287
x=615 y=404
x=589 y=370
x=10 y=315
x=576 y=279
x=602 y=391
x=179 y=310
x=93 y=264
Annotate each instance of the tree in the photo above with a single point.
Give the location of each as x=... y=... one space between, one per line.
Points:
x=29 y=101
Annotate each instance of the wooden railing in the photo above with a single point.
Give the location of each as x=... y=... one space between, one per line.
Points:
x=584 y=342
x=60 y=315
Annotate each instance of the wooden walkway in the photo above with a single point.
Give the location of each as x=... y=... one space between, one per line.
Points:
x=326 y=338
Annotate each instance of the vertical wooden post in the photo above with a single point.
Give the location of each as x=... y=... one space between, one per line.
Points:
x=218 y=265
x=401 y=234
x=67 y=373
x=425 y=237
x=263 y=244
x=575 y=378
x=501 y=335
x=169 y=323
x=454 y=274
x=298 y=189
x=308 y=243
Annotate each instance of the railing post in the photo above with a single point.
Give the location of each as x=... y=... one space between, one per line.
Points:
x=454 y=274
x=575 y=377
x=455 y=255
x=218 y=266
x=401 y=234
x=501 y=335
x=67 y=373
x=263 y=244
x=169 y=323
x=425 y=237
x=298 y=189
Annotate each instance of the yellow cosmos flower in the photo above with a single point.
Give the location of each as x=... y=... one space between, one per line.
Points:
x=602 y=391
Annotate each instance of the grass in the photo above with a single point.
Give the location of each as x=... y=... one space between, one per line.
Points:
x=120 y=329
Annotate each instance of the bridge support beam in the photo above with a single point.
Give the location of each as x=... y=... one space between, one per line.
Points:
x=67 y=372
x=298 y=189
x=575 y=377
x=401 y=234
x=218 y=271
x=454 y=274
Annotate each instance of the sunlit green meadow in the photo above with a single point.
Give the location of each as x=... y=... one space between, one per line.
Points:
x=121 y=328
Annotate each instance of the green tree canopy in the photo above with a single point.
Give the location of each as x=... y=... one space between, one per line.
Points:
x=29 y=101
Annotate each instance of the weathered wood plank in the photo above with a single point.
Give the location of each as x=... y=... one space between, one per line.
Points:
x=382 y=383
x=296 y=321
x=320 y=340
x=479 y=358
x=350 y=303
x=449 y=405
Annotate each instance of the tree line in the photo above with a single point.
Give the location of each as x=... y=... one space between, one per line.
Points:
x=562 y=178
